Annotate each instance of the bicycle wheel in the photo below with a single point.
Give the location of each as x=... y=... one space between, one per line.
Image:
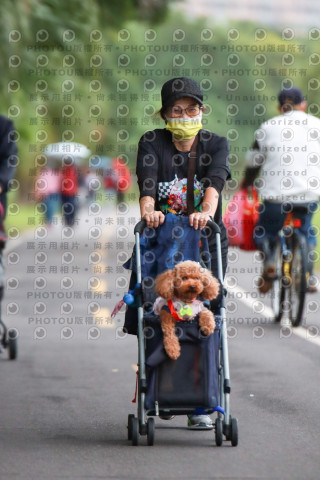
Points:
x=298 y=286
x=277 y=291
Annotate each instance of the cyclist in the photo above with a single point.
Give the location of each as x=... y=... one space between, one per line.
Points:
x=286 y=157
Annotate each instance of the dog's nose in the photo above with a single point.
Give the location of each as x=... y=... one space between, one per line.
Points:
x=192 y=287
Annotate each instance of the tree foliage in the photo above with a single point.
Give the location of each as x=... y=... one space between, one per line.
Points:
x=91 y=71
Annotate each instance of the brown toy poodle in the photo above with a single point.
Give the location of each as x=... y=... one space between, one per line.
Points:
x=178 y=291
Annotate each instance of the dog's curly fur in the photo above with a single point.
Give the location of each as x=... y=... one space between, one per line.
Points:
x=187 y=281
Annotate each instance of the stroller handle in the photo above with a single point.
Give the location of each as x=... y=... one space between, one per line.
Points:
x=140 y=226
x=214 y=227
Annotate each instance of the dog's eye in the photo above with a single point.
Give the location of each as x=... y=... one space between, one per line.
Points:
x=196 y=278
x=184 y=278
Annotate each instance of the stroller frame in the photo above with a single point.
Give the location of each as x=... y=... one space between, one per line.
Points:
x=8 y=337
x=224 y=424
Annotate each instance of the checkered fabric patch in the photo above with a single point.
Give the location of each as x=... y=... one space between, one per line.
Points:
x=164 y=188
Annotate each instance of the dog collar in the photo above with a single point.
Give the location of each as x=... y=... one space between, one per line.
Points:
x=173 y=311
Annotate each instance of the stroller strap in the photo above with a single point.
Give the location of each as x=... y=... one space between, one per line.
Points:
x=190 y=178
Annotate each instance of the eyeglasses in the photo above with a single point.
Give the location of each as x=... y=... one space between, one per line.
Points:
x=191 y=111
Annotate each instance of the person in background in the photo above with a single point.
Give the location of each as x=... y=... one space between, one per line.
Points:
x=8 y=158
x=69 y=192
x=117 y=177
x=89 y=176
x=286 y=157
x=8 y=162
x=47 y=190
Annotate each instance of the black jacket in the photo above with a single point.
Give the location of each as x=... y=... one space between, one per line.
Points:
x=8 y=152
x=159 y=163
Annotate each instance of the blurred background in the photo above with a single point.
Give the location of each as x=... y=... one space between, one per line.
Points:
x=91 y=72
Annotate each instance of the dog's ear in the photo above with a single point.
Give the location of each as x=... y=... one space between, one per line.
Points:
x=211 y=286
x=164 y=285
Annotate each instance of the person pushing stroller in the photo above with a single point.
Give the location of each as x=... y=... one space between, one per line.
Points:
x=164 y=162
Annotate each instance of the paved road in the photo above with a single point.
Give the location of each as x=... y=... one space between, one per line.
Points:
x=65 y=401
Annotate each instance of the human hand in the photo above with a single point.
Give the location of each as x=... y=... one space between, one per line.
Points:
x=198 y=220
x=154 y=219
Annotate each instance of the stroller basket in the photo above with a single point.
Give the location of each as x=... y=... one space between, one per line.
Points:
x=191 y=381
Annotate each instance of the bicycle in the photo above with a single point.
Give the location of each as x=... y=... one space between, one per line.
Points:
x=289 y=285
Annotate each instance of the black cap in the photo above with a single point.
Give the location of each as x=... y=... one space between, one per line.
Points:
x=180 y=87
x=293 y=93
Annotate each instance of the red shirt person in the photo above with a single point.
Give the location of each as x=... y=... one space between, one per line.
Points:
x=69 y=193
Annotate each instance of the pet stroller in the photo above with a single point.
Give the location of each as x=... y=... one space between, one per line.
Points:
x=8 y=337
x=199 y=378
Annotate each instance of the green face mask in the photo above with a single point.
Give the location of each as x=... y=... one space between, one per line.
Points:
x=184 y=128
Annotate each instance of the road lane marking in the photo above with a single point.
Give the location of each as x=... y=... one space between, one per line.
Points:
x=302 y=332
x=306 y=334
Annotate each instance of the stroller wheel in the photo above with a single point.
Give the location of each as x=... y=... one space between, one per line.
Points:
x=218 y=432
x=150 y=431
x=135 y=431
x=12 y=344
x=234 y=432
x=130 y=418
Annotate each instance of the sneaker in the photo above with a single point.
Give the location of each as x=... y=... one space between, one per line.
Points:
x=200 y=422
x=265 y=281
x=166 y=417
